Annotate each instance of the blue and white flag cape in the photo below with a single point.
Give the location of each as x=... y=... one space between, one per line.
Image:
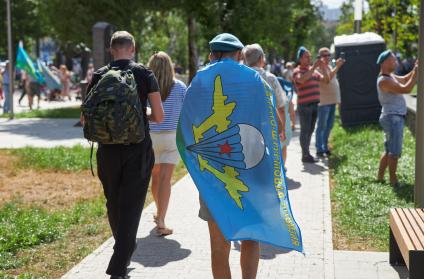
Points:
x=228 y=139
x=51 y=80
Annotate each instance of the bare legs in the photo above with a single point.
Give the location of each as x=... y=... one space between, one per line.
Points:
x=161 y=190
x=382 y=167
x=30 y=101
x=391 y=162
x=284 y=154
x=249 y=259
x=220 y=252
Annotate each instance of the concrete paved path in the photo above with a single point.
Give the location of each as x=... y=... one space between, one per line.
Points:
x=43 y=132
x=186 y=253
x=24 y=107
x=39 y=132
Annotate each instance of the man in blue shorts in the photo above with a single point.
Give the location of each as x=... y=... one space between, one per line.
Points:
x=390 y=89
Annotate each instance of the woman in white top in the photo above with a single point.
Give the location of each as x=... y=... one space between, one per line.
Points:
x=163 y=135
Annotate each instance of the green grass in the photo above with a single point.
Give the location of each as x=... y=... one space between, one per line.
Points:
x=414 y=91
x=21 y=276
x=58 y=158
x=361 y=204
x=73 y=112
x=24 y=227
x=38 y=242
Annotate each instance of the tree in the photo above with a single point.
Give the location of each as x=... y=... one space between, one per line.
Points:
x=345 y=25
x=183 y=27
x=72 y=20
x=28 y=23
x=397 y=22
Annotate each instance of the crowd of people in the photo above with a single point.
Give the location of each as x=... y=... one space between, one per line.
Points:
x=125 y=169
x=307 y=86
x=59 y=84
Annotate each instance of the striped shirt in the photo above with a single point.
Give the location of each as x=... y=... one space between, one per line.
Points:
x=172 y=108
x=307 y=92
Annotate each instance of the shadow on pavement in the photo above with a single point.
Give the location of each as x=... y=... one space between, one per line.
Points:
x=46 y=129
x=313 y=169
x=292 y=184
x=402 y=271
x=155 y=251
x=268 y=252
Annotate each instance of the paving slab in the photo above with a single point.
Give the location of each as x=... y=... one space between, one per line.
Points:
x=186 y=253
x=24 y=107
x=40 y=132
x=366 y=265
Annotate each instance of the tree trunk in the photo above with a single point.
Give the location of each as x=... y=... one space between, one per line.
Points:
x=192 y=49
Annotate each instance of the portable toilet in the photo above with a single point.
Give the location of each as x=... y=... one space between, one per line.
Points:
x=358 y=77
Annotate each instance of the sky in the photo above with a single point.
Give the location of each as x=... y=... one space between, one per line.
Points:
x=333 y=3
x=337 y=3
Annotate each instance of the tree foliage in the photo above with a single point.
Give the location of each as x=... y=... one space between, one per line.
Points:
x=280 y=26
x=395 y=20
x=28 y=23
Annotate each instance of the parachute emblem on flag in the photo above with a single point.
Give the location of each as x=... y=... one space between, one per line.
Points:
x=241 y=146
x=228 y=112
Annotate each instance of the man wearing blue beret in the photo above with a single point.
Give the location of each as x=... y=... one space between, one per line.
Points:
x=391 y=88
x=307 y=82
x=225 y=54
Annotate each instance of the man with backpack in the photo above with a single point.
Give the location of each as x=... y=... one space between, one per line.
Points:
x=114 y=115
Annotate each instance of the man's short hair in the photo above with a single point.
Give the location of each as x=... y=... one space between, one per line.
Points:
x=121 y=39
x=218 y=55
x=323 y=49
x=252 y=54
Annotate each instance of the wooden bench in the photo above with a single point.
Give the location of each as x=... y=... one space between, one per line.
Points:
x=407 y=240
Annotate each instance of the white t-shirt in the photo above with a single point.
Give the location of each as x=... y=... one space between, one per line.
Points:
x=272 y=81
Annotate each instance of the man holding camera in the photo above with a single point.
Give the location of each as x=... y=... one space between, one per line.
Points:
x=307 y=81
x=329 y=97
x=390 y=88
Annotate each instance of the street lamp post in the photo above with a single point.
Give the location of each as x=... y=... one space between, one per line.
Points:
x=419 y=139
x=358 y=16
x=10 y=53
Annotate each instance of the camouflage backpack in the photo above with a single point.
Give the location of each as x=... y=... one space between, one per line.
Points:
x=112 y=110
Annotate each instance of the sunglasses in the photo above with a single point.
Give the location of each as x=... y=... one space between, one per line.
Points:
x=325 y=55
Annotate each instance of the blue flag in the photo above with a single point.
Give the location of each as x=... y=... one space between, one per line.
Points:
x=24 y=62
x=228 y=139
x=51 y=80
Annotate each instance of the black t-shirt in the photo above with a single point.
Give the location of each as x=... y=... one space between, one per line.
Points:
x=144 y=78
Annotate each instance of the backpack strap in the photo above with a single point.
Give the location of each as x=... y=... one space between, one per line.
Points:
x=91 y=158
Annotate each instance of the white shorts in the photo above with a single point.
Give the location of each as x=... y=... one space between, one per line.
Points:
x=165 y=147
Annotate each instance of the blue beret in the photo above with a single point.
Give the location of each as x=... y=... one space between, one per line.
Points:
x=225 y=42
x=300 y=52
x=383 y=56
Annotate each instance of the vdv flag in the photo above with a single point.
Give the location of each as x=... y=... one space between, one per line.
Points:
x=24 y=62
x=228 y=139
x=51 y=80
